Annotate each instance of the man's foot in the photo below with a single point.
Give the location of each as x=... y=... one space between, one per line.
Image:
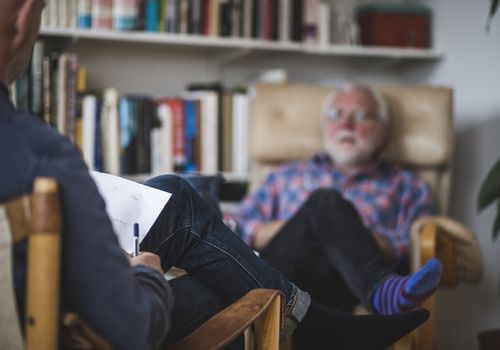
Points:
x=397 y=294
x=324 y=328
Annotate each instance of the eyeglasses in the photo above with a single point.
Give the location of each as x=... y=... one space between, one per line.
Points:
x=358 y=116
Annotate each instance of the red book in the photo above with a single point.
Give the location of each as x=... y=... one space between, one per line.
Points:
x=178 y=133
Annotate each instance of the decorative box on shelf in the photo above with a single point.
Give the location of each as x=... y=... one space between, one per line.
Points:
x=397 y=25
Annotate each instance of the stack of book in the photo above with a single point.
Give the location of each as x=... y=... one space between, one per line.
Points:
x=204 y=128
x=284 y=20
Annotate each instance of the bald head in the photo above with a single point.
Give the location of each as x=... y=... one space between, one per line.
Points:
x=19 y=26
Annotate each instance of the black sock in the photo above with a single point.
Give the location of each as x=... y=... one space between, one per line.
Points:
x=324 y=328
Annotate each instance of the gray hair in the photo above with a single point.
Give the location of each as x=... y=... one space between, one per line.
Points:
x=374 y=93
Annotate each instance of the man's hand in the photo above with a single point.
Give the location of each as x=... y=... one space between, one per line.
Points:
x=265 y=233
x=145 y=258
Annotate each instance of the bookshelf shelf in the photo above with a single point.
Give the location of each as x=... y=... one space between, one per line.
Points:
x=245 y=44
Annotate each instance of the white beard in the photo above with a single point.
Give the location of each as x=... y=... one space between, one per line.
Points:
x=348 y=149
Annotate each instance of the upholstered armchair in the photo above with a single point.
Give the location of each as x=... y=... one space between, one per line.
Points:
x=285 y=125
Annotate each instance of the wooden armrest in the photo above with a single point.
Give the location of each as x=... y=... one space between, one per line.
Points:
x=228 y=324
x=452 y=243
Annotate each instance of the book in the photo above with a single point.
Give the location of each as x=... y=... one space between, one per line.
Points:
x=125 y=14
x=102 y=14
x=84 y=14
x=161 y=141
x=89 y=109
x=110 y=132
x=36 y=79
x=240 y=127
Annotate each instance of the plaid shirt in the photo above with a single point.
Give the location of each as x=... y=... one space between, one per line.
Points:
x=387 y=198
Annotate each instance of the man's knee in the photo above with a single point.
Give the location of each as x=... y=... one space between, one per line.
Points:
x=168 y=182
x=327 y=198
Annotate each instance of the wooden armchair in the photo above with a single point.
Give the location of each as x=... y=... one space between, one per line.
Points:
x=36 y=217
x=421 y=140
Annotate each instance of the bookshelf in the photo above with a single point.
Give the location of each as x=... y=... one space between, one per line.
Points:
x=207 y=42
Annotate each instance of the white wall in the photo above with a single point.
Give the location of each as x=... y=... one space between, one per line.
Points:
x=471 y=67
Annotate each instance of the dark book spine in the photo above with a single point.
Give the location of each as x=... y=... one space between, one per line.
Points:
x=47 y=89
x=225 y=18
x=297 y=20
x=71 y=96
x=255 y=18
x=98 y=165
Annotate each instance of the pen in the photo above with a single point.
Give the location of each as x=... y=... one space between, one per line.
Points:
x=136 y=239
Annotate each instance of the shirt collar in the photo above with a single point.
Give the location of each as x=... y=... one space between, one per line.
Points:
x=323 y=159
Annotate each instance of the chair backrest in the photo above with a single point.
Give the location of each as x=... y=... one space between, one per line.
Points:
x=286 y=125
x=36 y=218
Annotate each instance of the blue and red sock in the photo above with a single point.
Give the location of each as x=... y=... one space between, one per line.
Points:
x=398 y=294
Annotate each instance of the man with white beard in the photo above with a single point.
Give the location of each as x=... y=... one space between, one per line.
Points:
x=326 y=222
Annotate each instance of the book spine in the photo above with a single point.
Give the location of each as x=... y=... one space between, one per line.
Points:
x=102 y=14
x=53 y=9
x=128 y=134
x=72 y=13
x=36 y=79
x=61 y=93
x=98 y=165
x=125 y=14
x=63 y=13
x=162 y=145
x=110 y=131
x=178 y=134
x=89 y=107
x=190 y=134
x=152 y=11
x=47 y=89
x=84 y=14
x=71 y=95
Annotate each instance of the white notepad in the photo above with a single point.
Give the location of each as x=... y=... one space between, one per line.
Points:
x=128 y=202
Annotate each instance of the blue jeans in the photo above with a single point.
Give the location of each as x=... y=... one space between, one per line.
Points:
x=221 y=268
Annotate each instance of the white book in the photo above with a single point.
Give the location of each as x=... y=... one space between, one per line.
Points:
x=89 y=108
x=52 y=8
x=247 y=18
x=63 y=14
x=209 y=129
x=111 y=132
x=285 y=20
x=129 y=203
x=45 y=22
x=62 y=77
x=310 y=21
x=324 y=24
x=162 y=161
x=240 y=133
x=72 y=13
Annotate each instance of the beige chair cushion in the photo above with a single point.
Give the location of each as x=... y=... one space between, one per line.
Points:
x=286 y=123
x=10 y=333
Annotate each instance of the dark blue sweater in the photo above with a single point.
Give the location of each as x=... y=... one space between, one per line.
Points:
x=130 y=307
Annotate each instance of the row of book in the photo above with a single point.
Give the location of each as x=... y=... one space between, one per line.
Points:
x=202 y=129
x=284 y=20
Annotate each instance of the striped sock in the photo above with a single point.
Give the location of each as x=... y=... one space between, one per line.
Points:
x=397 y=294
